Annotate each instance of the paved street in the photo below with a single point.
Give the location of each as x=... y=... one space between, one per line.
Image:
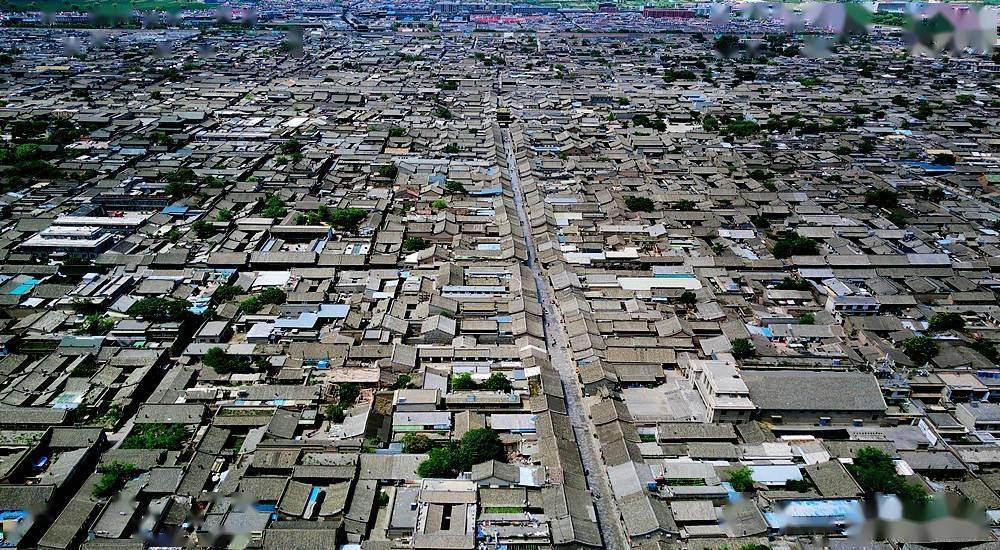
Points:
x=558 y=345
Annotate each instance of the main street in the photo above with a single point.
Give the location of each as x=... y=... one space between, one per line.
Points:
x=557 y=343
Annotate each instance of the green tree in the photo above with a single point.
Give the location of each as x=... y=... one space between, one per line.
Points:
x=27 y=151
x=727 y=45
x=481 y=445
x=335 y=413
x=415 y=243
x=402 y=382
x=439 y=204
x=180 y=175
x=792 y=244
x=416 y=444
x=943 y=321
x=180 y=190
x=639 y=204
x=498 y=382
x=222 y=363
x=251 y=304
x=898 y=217
x=348 y=393
x=441 y=462
x=268 y=296
x=227 y=292
x=159 y=138
x=347 y=219
x=158 y=309
x=272 y=207
x=921 y=349
x=272 y=295
x=986 y=348
x=875 y=472
x=688 y=298
x=388 y=171
x=291 y=147
x=883 y=198
x=807 y=318
x=866 y=146
x=944 y=159
x=741 y=128
x=794 y=283
x=203 y=229
x=455 y=188
x=741 y=479
x=463 y=382
x=96 y=324
x=114 y=476
x=710 y=123
x=743 y=348
x=685 y=205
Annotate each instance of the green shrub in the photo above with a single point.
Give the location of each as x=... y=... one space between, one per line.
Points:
x=156 y=436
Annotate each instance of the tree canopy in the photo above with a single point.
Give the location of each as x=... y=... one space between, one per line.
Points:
x=794 y=283
x=416 y=443
x=943 y=321
x=875 y=472
x=639 y=204
x=223 y=363
x=792 y=244
x=159 y=309
x=114 y=475
x=741 y=479
x=476 y=446
x=743 y=348
x=415 y=243
x=921 y=349
x=268 y=296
